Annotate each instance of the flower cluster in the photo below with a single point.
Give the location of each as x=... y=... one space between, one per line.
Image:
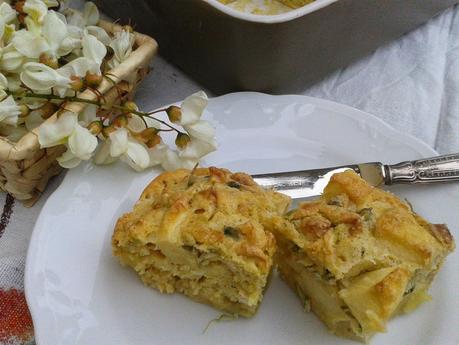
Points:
x=48 y=55
x=133 y=136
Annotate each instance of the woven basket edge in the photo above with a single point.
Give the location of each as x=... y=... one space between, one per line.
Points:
x=146 y=50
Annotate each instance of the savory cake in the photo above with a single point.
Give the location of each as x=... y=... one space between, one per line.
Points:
x=265 y=7
x=205 y=233
x=296 y=3
x=359 y=255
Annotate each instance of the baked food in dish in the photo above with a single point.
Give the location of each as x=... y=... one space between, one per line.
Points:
x=206 y=234
x=296 y=3
x=265 y=7
x=359 y=255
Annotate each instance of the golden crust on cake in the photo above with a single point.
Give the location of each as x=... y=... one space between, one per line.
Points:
x=359 y=255
x=265 y=7
x=296 y=3
x=206 y=234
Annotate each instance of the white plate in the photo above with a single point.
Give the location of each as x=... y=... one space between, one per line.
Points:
x=79 y=294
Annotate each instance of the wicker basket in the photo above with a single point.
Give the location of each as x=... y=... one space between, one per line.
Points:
x=25 y=168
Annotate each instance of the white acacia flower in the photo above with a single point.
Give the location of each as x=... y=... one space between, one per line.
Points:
x=29 y=43
x=99 y=33
x=102 y=156
x=80 y=24
x=9 y=111
x=90 y=16
x=7 y=13
x=14 y=83
x=42 y=78
x=122 y=47
x=11 y=60
x=80 y=147
x=3 y=86
x=29 y=57
x=201 y=132
x=119 y=142
x=56 y=133
x=94 y=52
x=47 y=38
x=128 y=149
x=121 y=145
x=68 y=160
x=81 y=144
x=203 y=141
x=2 y=28
x=116 y=145
x=171 y=161
x=6 y=32
x=93 y=49
x=55 y=32
x=51 y=3
x=36 y=9
x=201 y=136
x=192 y=108
x=157 y=154
x=78 y=67
x=196 y=149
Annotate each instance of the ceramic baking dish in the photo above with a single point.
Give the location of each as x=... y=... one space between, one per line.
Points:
x=227 y=50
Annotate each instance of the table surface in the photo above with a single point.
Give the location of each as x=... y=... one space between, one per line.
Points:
x=412 y=84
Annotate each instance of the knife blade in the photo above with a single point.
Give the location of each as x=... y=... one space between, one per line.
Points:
x=311 y=183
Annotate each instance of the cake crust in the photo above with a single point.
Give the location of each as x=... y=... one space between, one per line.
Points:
x=359 y=255
x=205 y=233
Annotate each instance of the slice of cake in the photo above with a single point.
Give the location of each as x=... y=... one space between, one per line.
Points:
x=359 y=255
x=206 y=234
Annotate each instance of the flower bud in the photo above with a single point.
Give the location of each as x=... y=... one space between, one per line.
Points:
x=120 y=121
x=93 y=80
x=96 y=127
x=174 y=113
x=182 y=140
x=107 y=130
x=55 y=8
x=155 y=140
x=47 y=110
x=128 y=28
x=148 y=134
x=24 y=110
x=19 y=6
x=130 y=106
x=49 y=61
x=77 y=83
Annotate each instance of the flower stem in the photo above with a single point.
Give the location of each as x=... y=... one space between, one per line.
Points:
x=98 y=103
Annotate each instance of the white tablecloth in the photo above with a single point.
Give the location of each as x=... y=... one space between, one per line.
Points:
x=412 y=83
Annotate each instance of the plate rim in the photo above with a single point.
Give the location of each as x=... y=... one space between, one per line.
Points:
x=417 y=144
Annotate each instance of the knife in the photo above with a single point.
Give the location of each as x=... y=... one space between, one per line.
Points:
x=311 y=183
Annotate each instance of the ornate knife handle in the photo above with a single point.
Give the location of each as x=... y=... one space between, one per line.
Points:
x=436 y=169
